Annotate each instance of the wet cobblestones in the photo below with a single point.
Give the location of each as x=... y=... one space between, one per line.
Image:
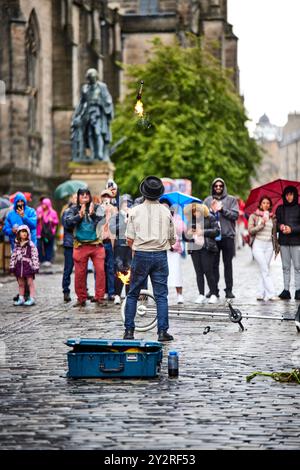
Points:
x=209 y=406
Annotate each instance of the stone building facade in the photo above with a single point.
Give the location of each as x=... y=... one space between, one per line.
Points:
x=46 y=46
x=281 y=149
x=289 y=148
x=268 y=136
x=45 y=49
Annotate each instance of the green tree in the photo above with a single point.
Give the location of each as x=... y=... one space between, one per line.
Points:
x=197 y=123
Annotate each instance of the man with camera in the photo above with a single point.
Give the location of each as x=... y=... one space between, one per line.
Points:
x=84 y=217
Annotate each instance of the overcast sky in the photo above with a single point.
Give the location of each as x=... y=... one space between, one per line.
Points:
x=268 y=56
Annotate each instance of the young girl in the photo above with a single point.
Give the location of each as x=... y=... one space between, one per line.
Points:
x=24 y=263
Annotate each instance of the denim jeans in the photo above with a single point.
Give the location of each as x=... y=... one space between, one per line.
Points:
x=68 y=268
x=155 y=265
x=109 y=268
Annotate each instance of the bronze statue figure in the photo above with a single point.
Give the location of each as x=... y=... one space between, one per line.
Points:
x=90 y=126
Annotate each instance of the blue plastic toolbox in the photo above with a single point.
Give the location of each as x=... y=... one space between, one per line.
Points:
x=113 y=358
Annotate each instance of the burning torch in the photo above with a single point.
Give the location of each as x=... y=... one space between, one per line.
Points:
x=139 y=107
x=143 y=120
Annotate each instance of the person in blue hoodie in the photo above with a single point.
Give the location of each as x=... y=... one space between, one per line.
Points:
x=21 y=214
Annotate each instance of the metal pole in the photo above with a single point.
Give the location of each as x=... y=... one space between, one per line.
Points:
x=221 y=314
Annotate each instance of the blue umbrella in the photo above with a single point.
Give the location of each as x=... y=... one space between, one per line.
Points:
x=180 y=199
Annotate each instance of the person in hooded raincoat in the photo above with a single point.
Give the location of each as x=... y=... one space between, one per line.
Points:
x=21 y=214
x=46 y=229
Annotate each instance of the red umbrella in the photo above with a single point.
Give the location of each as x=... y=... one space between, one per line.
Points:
x=27 y=196
x=273 y=190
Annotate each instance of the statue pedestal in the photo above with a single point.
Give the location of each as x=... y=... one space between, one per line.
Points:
x=94 y=174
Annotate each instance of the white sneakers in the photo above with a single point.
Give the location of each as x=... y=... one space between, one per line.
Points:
x=213 y=299
x=273 y=299
x=200 y=299
x=47 y=264
x=180 y=299
x=117 y=300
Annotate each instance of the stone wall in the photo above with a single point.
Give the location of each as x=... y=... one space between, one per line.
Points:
x=46 y=46
x=45 y=49
x=172 y=20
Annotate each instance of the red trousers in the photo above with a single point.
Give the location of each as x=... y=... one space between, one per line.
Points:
x=81 y=256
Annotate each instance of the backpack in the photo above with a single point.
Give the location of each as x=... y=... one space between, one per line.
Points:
x=86 y=231
x=46 y=232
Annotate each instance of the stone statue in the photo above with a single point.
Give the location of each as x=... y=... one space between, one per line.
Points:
x=90 y=126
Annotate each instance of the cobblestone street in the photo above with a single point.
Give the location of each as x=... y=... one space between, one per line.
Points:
x=209 y=406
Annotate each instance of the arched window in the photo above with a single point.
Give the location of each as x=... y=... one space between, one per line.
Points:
x=32 y=54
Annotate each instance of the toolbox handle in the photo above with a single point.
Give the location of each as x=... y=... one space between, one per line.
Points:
x=117 y=369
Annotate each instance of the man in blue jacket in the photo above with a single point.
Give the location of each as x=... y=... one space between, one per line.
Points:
x=20 y=215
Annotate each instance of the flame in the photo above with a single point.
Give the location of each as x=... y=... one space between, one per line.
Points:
x=125 y=278
x=139 y=108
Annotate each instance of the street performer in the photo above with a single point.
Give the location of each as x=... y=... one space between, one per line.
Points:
x=151 y=233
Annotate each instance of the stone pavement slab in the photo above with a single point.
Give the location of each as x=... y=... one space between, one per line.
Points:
x=209 y=406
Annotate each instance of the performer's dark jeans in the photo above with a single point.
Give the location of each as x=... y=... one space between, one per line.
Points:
x=109 y=268
x=155 y=265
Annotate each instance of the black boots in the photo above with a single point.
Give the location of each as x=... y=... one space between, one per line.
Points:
x=285 y=295
x=129 y=333
x=80 y=304
x=164 y=336
x=67 y=297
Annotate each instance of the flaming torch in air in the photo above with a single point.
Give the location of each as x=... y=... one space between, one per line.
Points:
x=143 y=120
x=139 y=107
